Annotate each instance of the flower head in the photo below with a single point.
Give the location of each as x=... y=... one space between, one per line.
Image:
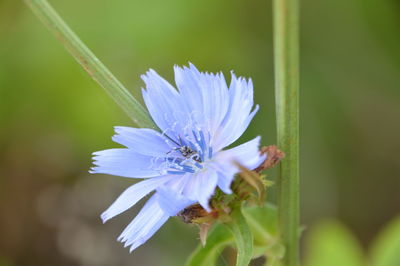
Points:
x=185 y=162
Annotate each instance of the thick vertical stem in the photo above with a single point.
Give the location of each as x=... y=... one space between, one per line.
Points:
x=286 y=52
x=91 y=63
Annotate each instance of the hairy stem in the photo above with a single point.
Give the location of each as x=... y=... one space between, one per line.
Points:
x=91 y=63
x=286 y=53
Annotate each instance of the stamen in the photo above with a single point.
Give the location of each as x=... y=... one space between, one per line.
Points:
x=188 y=169
x=176 y=172
x=177 y=167
x=203 y=145
x=198 y=144
x=174 y=160
x=202 y=141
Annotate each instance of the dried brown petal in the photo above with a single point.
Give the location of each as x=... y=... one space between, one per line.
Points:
x=274 y=156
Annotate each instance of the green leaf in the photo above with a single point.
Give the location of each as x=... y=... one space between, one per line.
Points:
x=263 y=222
x=243 y=237
x=385 y=250
x=217 y=240
x=329 y=243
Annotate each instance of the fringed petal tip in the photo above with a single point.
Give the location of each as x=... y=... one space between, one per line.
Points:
x=142 y=233
x=132 y=195
x=96 y=169
x=119 y=129
x=126 y=163
x=190 y=68
x=255 y=110
x=148 y=74
x=146 y=223
x=248 y=82
x=104 y=217
x=96 y=154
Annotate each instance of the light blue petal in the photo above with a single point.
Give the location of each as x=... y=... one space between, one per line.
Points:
x=178 y=184
x=144 y=141
x=164 y=104
x=171 y=201
x=208 y=183
x=220 y=95
x=149 y=206
x=126 y=163
x=239 y=128
x=247 y=154
x=145 y=224
x=201 y=187
x=132 y=195
x=190 y=187
x=188 y=82
x=225 y=181
x=239 y=114
x=226 y=171
x=205 y=94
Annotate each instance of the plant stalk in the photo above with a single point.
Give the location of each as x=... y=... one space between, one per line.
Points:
x=97 y=70
x=286 y=56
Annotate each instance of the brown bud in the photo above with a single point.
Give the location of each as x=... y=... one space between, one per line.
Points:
x=274 y=156
x=192 y=213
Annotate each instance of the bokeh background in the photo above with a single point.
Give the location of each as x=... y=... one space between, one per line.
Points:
x=53 y=116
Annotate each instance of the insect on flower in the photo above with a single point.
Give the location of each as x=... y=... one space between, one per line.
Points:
x=185 y=162
x=186 y=151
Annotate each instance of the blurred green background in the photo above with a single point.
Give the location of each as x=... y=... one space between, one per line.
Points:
x=53 y=116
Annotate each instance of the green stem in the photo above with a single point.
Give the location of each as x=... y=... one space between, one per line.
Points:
x=286 y=52
x=91 y=63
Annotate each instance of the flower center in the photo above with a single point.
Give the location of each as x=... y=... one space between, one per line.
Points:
x=195 y=150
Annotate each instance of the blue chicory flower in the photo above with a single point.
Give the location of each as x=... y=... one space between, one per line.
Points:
x=185 y=162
